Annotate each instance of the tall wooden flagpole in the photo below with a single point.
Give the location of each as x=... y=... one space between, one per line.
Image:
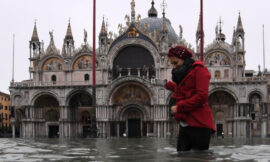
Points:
x=202 y=38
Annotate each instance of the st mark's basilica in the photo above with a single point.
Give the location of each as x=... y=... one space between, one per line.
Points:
x=130 y=99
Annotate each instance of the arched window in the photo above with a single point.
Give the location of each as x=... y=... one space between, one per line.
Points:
x=86 y=77
x=54 y=79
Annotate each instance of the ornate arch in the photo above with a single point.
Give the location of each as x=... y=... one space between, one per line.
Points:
x=131 y=42
x=120 y=82
x=125 y=108
x=38 y=94
x=255 y=91
x=74 y=92
x=80 y=55
x=48 y=57
x=221 y=57
x=225 y=90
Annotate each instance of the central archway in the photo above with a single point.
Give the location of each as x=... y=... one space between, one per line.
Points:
x=133 y=119
x=223 y=105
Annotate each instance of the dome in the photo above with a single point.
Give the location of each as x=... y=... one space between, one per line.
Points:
x=152 y=12
x=155 y=23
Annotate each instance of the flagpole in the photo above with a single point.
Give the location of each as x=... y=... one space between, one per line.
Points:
x=13 y=58
x=202 y=33
x=263 y=51
x=94 y=58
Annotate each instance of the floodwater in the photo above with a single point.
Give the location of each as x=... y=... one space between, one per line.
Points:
x=129 y=150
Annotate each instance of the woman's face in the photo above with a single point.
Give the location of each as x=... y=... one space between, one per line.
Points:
x=176 y=62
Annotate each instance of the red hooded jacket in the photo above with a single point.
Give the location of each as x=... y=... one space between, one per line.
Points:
x=191 y=96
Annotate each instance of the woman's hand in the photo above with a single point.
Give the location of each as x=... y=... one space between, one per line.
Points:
x=174 y=109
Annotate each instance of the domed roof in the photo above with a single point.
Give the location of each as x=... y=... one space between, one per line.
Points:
x=152 y=12
x=155 y=23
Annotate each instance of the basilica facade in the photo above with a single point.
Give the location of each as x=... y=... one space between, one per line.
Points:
x=57 y=100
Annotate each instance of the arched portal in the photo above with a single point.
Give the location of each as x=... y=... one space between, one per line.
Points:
x=133 y=119
x=48 y=106
x=134 y=60
x=131 y=103
x=82 y=114
x=223 y=105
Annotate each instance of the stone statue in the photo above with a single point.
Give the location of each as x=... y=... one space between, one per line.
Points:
x=51 y=34
x=181 y=32
x=85 y=36
x=139 y=18
x=120 y=27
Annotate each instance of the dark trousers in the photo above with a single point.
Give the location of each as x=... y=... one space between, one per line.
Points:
x=193 y=138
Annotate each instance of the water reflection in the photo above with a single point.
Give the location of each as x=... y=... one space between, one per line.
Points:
x=128 y=150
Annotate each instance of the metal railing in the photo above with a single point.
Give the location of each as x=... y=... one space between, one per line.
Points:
x=239 y=79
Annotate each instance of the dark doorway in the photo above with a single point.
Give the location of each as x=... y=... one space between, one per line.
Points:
x=219 y=129
x=134 y=128
x=122 y=129
x=53 y=131
x=86 y=131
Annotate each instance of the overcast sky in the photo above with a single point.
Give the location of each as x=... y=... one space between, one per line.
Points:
x=18 y=16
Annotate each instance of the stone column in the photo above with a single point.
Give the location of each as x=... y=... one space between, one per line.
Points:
x=12 y=121
x=147 y=73
x=118 y=127
x=129 y=71
x=263 y=128
x=139 y=72
x=147 y=129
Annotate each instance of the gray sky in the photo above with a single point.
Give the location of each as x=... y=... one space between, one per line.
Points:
x=18 y=16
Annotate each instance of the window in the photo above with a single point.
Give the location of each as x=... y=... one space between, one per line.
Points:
x=53 y=79
x=217 y=74
x=226 y=73
x=253 y=116
x=6 y=107
x=86 y=77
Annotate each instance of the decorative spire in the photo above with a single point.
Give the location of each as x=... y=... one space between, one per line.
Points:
x=219 y=35
x=103 y=28
x=132 y=10
x=220 y=25
x=152 y=12
x=198 y=33
x=164 y=24
x=35 y=34
x=69 y=32
x=239 y=27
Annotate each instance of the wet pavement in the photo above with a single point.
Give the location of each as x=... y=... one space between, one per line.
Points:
x=130 y=150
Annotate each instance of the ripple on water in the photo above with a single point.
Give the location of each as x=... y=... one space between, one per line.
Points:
x=150 y=150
